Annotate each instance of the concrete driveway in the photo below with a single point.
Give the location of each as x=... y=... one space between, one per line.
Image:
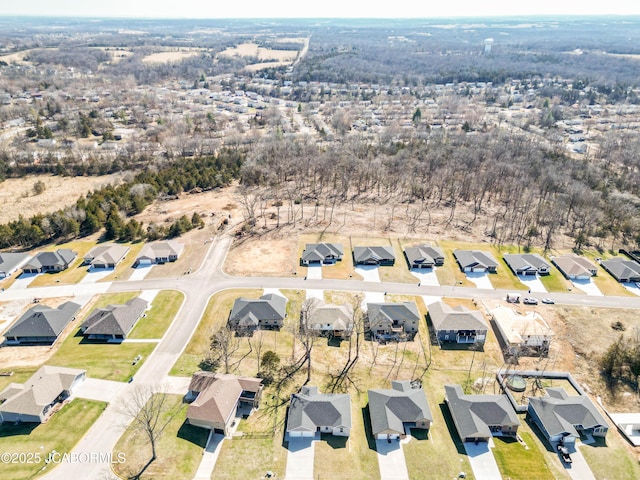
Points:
x=23 y=281
x=369 y=273
x=480 y=279
x=391 y=460
x=427 y=276
x=588 y=287
x=101 y=390
x=632 y=287
x=533 y=283
x=300 y=459
x=578 y=469
x=95 y=274
x=314 y=272
x=482 y=461
x=140 y=272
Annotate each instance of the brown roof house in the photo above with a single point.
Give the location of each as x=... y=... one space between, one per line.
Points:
x=106 y=256
x=574 y=267
x=34 y=400
x=394 y=412
x=312 y=412
x=113 y=322
x=478 y=417
x=217 y=399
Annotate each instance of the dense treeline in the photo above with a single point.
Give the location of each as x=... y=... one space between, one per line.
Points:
x=506 y=186
x=621 y=361
x=110 y=206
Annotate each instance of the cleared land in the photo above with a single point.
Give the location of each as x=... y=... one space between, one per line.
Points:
x=254 y=50
x=166 y=57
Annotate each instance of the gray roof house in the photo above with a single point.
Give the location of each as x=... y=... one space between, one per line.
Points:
x=50 y=261
x=311 y=412
x=106 y=256
x=622 y=269
x=392 y=320
x=216 y=399
x=11 y=262
x=32 y=401
x=527 y=264
x=475 y=261
x=424 y=256
x=250 y=314
x=41 y=324
x=319 y=253
x=395 y=411
x=574 y=267
x=374 y=256
x=478 y=417
x=457 y=324
x=159 y=252
x=113 y=322
x=328 y=319
x=565 y=417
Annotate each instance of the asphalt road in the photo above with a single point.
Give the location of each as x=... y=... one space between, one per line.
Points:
x=198 y=287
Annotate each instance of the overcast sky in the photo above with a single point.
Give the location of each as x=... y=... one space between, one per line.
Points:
x=311 y=9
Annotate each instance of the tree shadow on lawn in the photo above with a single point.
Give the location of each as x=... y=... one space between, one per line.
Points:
x=17 y=429
x=195 y=435
x=334 y=441
x=452 y=429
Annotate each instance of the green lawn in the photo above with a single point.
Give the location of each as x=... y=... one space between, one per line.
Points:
x=20 y=375
x=517 y=462
x=179 y=449
x=123 y=271
x=215 y=316
x=71 y=275
x=158 y=319
x=39 y=440
x=555 y=282
x=611 y=459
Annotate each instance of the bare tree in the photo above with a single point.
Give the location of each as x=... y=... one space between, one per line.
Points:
x=224 y=344
x=149 y=413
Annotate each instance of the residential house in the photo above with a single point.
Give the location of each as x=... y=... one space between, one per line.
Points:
x=106 y=256
x=457 y=324
x=478 y=417
x=574 y=267
x=394 y=412
x=424 y=256
x=217 y=399
x=113 y=322
x=622 y=269
x=267 y=312
x=475 y=261
x=159 y=253
x=34 y=400
x=566 y=417
x=321 y=253
x=41 y=324
x=527 y=264
x=521 y=333
x=311 y=412
x=328 y=319
x=11 y=262
x=392 y=319
x=45 y=262
x=374 y=256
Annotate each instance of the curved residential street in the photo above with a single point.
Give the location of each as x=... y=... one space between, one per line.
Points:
x=198 y=287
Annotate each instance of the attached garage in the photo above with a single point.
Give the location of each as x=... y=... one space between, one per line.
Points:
x=301 y=433
x=479 y=270
x=385 y=436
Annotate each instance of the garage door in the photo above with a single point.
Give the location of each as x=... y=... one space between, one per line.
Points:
x=144 y=261
x=479 y=270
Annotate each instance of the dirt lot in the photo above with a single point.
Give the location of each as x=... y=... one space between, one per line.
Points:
x=17 y=196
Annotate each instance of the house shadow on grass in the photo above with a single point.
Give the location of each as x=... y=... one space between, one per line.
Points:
x=17 y=429
x=196 y=435
x=468 y=347
x=453 y=433
x=334 y=341
x=371 y=442
x=334 y=441
x=419 y=433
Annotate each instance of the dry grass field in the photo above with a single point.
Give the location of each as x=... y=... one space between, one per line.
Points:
x=17 y=196
x=254 y=50
x=166 y=57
